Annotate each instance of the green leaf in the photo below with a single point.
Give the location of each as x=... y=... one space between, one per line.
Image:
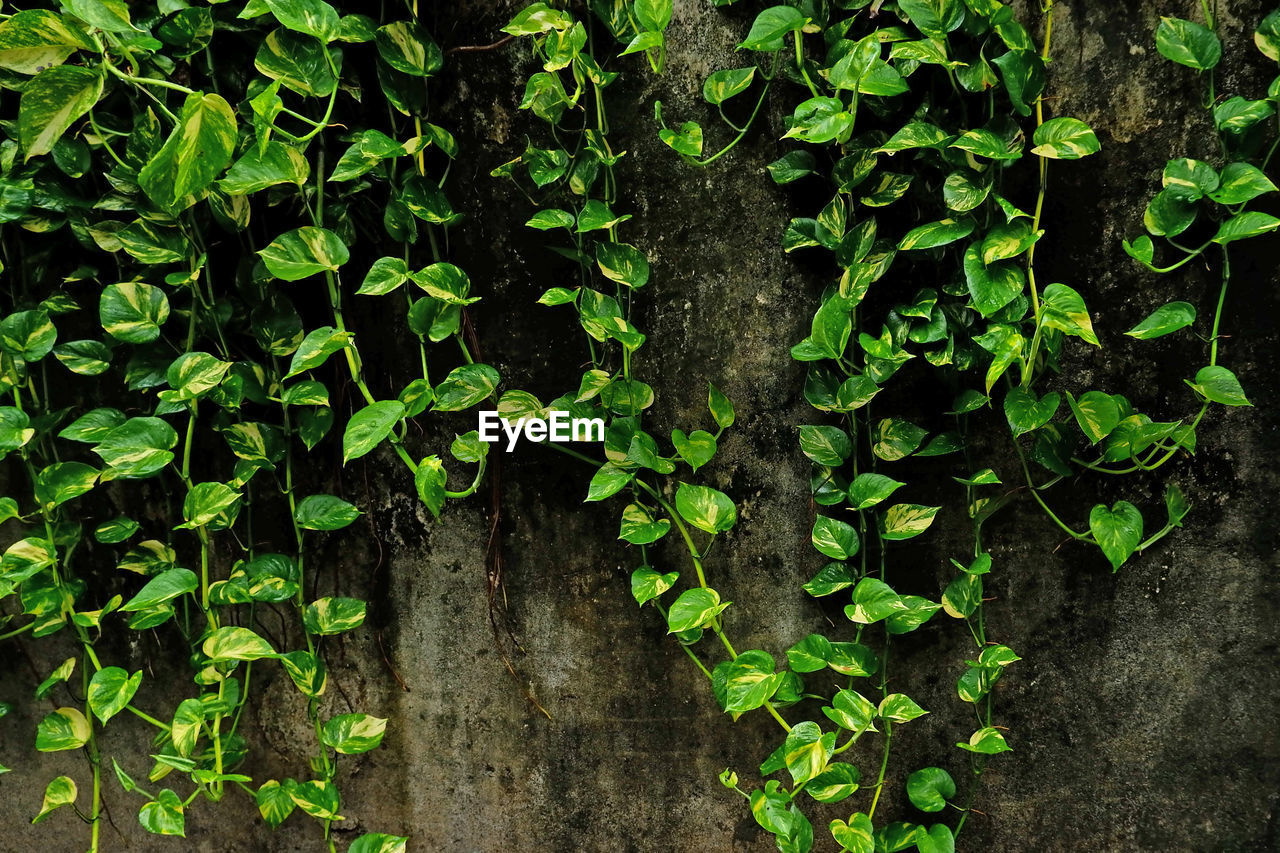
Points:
x=162 y=589
x=825 y=445
x=697 y=449
x=109 y=15
x=36 y=39
x=140 y=447
x=819 y=120
x=297 y=62
x=939 y=839
x=62 y=481
x=834 y=538
x=867 y=490
x=1237 y=115
x=915 y=134
x=929 y=788
x=607 y=482
x=622 y=263
x=695 y=608
x=318 y=798
x=65 y=728
x=1118 y=531
x=28 y=335
x=59 y=792
x=1097 y=413
x=1168 y=215
x=185 y=729
x=61 y=674
x=983 y=143
x=331 y=615
x=324 y=512
x=1064 y=309
x=352 y=734
x=639 y=527
x=749 y=681
x=369 y=427
x=1190 y=180
x=275 y=802
x=934 y=18
x=1008 y=241
x=1239 y=183
x=194 y=374
x=991 y=286
x=810 y=654
x=936 y=234
x=307 y=671
x=197 y=151
x=87 y=358
x=897 y=439
x=316 y=348
x=309 y=17
x=466 y=386
x=1251 y=223
x=899 y=708
x=856 y=836
x=964 y=191
x=597 y=216
x=832 y=578
x=771 y=26
x=1267 y=36
x=646 y=584
x=256 y=170
x=377 y=842
x=706 y=508
x=544 y=220
x=214 y=504
x=409 y=49
x=304 y=252
x=1026 y=413
x=110 y=690
x=687 y=140
x=720 y=86
x=1065 y=138
x=1188 y=43
x=873 y=600
x=905 y=521
x=807 y=751
x=792 y=166
x=986 y=741
x=838 y=782
x=852 y=711
x=1219 y=385
x=233 y=643
x=1164 y=320
x=133 y=312
x=163 y=815
x=55 y=99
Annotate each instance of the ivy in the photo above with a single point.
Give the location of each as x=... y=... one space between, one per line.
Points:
x=183 y=232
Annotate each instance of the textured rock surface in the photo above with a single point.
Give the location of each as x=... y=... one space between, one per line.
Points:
x=1143 y=714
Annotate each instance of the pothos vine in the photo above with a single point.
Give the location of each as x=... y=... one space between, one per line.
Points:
x=947 y=86
x=175 y=349
x=186 y=202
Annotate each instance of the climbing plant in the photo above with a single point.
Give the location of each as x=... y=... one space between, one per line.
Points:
x=915 y=119
x=192 y=244
x=184 y=234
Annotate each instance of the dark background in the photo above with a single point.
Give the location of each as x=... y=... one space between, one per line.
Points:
x=1143 y=715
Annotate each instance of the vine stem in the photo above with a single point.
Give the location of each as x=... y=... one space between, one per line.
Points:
x=1029 y=365
x=697 y=564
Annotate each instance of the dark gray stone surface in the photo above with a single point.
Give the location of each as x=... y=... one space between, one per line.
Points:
x=1143 y=715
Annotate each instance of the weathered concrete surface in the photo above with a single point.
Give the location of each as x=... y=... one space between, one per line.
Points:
x=1143 y=714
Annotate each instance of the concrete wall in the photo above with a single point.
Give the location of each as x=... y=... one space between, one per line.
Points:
x=1143 y=714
